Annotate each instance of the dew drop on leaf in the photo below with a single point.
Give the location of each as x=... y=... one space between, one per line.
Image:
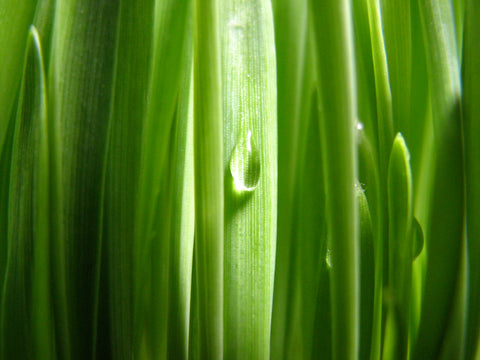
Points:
x=245 y=164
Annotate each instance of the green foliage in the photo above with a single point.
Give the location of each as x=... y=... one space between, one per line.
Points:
x=241 y=179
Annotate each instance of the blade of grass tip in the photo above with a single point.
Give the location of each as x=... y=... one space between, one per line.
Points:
x=471 y=131
x=369 y=179
x=250 y=168
x=183 y=222
x=15 y=18
x=170 y=31
x=338 y=106
x=397 y=32
x=367 y=276
x=400 y=249
x=81 y=75
x=43 y=22
x=290 y=19
x=27 y=328
x=444 y=235
x=209 y=190
x=122 y=167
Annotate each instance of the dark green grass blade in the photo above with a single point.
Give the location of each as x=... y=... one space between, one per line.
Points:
x=26 y=326
x=471 y=118
x=397 y=30
x=122 y=170
x=15 y=18
x=338 y=116
x=81 y=73
x=444 y=235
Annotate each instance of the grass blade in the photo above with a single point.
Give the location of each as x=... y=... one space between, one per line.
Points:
x=122 y=171
x=27 y=328
x=209 y=188
x=338 y=114
x=81 y=86
x=471 y=131
x=250 y=108
x=15 y=18
x=444 y=235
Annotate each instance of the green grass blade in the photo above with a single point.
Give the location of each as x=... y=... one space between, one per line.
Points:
x=382 y=86
x=209 y=177
x=250 y=108
x=338 y=114
x=81 y=74
x=471 y=130
x=27 y=328
x=122 y=170
x=290 y=21
x=444 y=235
x=397 y=30
x=369 y=178
x=15 y=18
x=183 y=223
x=400 y=248
x=153 y=213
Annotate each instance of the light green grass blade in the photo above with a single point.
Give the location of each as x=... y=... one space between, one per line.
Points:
x=444 y=235
x=250 y=115
x=338 y=116
x=471 y=131
x=290 y=21
x=400 y=247
x=122 y=171
x=15 y=18
x=209 y=178
x=26 y=326
x=382 y=86
x=183 y=221
x=81 y=74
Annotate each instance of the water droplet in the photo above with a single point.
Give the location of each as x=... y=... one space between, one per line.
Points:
x=359 y=125
x=245 y=164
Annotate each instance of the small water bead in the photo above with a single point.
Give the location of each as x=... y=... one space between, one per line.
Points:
x=245 y=164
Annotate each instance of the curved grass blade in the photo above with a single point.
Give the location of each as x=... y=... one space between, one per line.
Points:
x=15 y=18
x=27 y=327
x=444 y=235
x=471 y=131
x=209 y=178
x=338 y=108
